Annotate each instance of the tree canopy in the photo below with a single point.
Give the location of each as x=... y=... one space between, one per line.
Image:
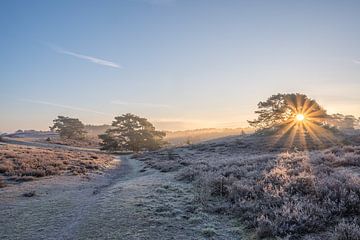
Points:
x=344 y=122
x=67 y=127
x=281 y=109
x=131 y=133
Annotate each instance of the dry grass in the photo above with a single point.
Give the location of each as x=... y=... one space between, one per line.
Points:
x=26 y=163
x=295 y=195
x=87 y=142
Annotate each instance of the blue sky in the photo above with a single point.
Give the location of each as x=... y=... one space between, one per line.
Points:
x=180 y=63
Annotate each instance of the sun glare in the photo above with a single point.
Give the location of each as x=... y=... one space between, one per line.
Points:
x=300 y=117
x=304 y=125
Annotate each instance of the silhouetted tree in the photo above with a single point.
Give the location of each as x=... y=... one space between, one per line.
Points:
x=71 y=128
x=131 y=133
x=280 y=109
x=343 y=122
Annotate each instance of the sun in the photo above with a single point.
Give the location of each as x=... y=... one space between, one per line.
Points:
x=300 y=117
x=304 y=124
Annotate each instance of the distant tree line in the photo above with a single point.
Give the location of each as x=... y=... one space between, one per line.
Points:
x=344 y=122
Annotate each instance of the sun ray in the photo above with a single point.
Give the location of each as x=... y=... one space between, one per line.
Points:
x=320 y=131
x=312 y=134
x=283 y=131
x=302 y=136
x=303 y=124
x=306 y=106
x=292 y=135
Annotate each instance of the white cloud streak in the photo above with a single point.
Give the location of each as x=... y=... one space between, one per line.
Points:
x=356 y=61
x=87 y=58
x=152 y=105
x=63 y=106
x=158 y=2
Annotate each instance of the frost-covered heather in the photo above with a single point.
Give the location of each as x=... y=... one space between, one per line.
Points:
x=18 y=163
x=2 y=184
x=299 y=194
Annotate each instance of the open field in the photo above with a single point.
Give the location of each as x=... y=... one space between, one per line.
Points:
x=88 y=142
x=22 y=163
x=242 y=187
x=91 y=140
x=47 y=137
x=128 y=201
x=180 y=120
x=312 y=194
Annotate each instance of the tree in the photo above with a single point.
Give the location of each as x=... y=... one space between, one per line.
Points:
x=281 y=109
x=343 y=122
x=131 y=133
x=71 y=128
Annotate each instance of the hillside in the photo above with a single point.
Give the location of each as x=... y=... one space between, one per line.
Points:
x=179 y=138
x=275 y=191
x=200 y=135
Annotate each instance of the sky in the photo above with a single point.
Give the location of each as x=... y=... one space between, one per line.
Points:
x=180 y=63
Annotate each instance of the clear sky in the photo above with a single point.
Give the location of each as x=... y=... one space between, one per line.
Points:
x=180 y=63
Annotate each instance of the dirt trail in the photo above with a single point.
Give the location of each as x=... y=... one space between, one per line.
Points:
x=124 y=203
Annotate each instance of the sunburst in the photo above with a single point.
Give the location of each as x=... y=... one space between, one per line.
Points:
x=304 y=122
x=300 y=117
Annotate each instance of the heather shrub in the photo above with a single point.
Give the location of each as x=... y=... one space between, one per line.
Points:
x=346 y=231
x=29 y=194
x=6 y=166
x=208 y=232
x=27 y=163
x=203 y=188
x=187 y=174
x=2 y=183
x=264 y=228
x=286 y=195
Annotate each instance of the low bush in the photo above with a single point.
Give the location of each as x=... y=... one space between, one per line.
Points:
x=208 y=232
x=2 y=183
x=347 y=231
x=26 y=163
x=29 y=194
x=292 y=195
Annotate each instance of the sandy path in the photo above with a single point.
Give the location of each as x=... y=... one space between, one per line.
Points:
x=123 y=203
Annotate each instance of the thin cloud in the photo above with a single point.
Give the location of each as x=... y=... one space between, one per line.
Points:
x=63 y=106
x=356 y=61
x=153 y=105
x=158 y=2
x=95 y=60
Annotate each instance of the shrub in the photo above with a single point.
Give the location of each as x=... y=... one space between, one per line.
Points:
x=208 y=232
x=346 y=231
x=25 y=163
x=291 y=195
x=265 y=228
x=2 y=183
x=29 y=194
